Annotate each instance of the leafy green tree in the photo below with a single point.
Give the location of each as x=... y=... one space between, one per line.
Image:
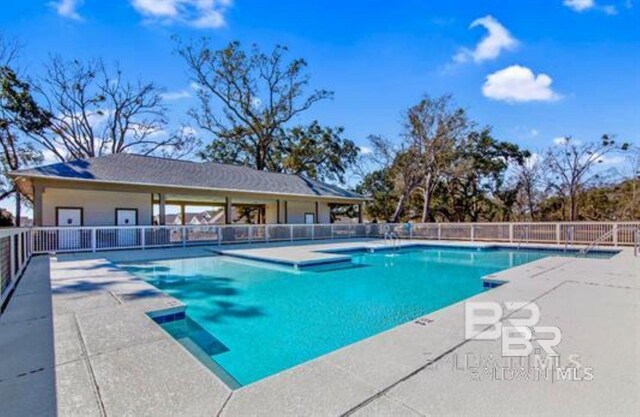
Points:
x=19 y=115
x=317 y=152
x=379 y=186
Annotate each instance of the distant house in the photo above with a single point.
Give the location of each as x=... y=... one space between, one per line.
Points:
x=124 y=190
x=206 y=217
x=26 y=221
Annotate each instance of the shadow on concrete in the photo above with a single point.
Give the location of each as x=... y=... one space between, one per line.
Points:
x=27 y=359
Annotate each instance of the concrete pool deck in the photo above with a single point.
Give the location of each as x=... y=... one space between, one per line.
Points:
x=76 y=340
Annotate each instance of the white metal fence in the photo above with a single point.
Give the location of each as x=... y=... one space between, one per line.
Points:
x=76 y=239
x=15 y=252
x=17 y=245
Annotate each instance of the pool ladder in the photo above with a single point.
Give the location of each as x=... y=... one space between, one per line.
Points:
x=598 y=241
x=393 y=238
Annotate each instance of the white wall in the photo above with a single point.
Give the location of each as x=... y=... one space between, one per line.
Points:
x=99 y=206
x=297 y=209
x=271 y=213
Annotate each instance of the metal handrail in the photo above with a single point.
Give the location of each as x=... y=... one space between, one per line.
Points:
x=595 y=243
x=523 y=233
x=569 y=236
x=393 y=238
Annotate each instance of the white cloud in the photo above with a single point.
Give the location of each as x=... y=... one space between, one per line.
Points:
x=534 y=159
x=50 y=157
x=68 y=8
x=561 y=140
x=519 y=84
x=498 y=39
x=584 y=5
x=579 y=5
x=611 y=159
x=188 y=131
x=210 y=19
x=256 y=103
x=176 y=95
x=534 y=132
x=157 y=8
x=197 y=13
x=365 y=150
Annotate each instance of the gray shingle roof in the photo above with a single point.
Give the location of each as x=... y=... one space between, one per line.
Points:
x=138 y=169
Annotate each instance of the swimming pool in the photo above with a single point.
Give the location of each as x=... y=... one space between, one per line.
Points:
x=247 y=320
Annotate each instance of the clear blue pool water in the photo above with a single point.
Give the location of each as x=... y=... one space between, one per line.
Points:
x=254 y=319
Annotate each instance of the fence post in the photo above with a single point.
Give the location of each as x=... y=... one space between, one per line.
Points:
x=20 y=260
x=291 y=233
x=558 y=233
x=473 y=234
x=250 y=234
x=183 y=232
x=510 y=232
x=143 y=237
x=332 y=231
x=439 y=231
x=313 y=232
x=12 y=260
x=93 y=239
x=616 y=228
x=266 y=233
x=219 y=235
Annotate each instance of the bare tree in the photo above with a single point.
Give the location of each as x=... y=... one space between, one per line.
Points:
x=259 y=94
x=9 y=49
x=380 y=155
x=570 y=167
x=529 y=177
x=433 y=128
x=96 y=112
x=405 y=174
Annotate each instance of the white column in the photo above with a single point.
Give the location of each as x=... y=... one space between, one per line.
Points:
x=38 y=190
x=163 y=209
x=228 y=219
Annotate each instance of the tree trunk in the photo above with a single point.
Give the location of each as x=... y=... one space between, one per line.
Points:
x=399 y=209
x=426 y=205
x=572 y=207
x=530 y=203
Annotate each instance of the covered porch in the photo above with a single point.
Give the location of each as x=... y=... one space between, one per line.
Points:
x=74 y=203
x=185 y=209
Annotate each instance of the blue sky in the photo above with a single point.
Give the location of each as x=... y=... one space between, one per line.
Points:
x=546 y=68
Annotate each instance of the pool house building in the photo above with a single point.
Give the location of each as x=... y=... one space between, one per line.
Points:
x=136 y=190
